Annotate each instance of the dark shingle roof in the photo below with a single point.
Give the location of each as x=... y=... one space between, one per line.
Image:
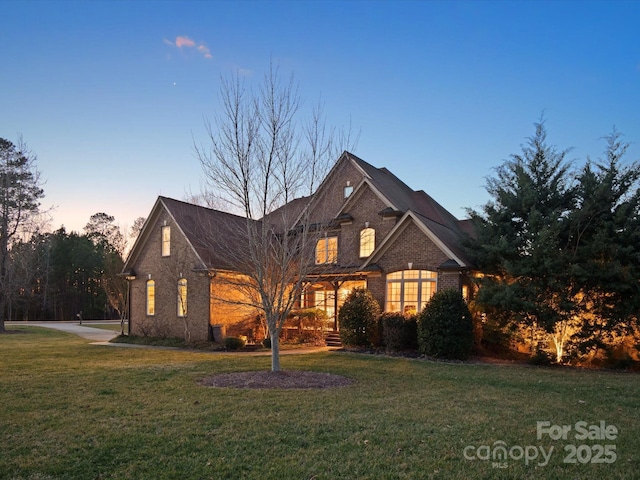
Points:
x=439 y=220
x=216 y=236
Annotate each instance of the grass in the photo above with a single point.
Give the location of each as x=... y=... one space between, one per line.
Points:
x=71 y=410
x=114 y=327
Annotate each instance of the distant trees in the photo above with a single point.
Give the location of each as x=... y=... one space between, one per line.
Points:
x=560 y=249
x=61 y=274
x=20 y=194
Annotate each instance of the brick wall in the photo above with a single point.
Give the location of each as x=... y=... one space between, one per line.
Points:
x=364 y=207
x=329 y=204
x=166 y=271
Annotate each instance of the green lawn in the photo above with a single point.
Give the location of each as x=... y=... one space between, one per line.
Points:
x=115 y=327
x=71 y=410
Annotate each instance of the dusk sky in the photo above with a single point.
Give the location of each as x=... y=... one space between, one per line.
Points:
x=112 y=95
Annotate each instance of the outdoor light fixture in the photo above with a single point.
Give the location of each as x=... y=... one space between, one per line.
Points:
x=410 y=265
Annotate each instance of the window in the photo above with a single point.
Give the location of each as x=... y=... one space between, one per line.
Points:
x=348 y=190
x=151 y=297
x=182 y=297
x=166 y=241
x=367 y=241
x=327 y=250
x=408 y=291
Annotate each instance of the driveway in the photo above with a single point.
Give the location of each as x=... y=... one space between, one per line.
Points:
x=84 y=331
x=101 y=336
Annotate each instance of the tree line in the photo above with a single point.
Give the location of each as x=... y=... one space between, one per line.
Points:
x=59 y=275
x=67 y=275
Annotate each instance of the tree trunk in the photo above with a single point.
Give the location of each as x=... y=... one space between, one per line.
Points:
x=275 y=352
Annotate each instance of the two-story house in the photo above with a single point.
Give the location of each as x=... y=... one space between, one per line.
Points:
x=376 y=233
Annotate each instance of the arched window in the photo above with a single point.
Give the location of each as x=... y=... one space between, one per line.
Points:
x=367 y=241
x=182 y=297
x=151 y=297
x=408 y=291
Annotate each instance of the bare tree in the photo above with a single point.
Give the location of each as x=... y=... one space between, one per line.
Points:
x=20 y=192
x=111 y=245
x=261 y=159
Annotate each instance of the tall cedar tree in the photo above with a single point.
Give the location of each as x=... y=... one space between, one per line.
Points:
x=605 y=248
x=521 y=238
x=20 y=193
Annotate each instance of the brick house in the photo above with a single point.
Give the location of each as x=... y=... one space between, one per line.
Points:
x=375 y=233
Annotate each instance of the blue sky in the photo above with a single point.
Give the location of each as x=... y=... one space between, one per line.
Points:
x=111 y=95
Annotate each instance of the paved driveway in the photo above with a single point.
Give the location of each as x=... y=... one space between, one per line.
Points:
x=84 y=331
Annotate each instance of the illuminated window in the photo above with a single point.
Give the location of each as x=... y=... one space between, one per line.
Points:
x=151 y=297
x=182 y=297
x=327 y=250
x=409 y=291
x=367 y=241
x=166 y=241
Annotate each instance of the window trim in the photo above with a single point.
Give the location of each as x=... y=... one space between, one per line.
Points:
x=419 y=278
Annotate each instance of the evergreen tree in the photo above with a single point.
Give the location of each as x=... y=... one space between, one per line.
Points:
x=605 y=248
x=521 y=238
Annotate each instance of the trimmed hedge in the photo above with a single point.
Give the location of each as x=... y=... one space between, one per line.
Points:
x=399 y=332
x=445 y=327
x=359 y=326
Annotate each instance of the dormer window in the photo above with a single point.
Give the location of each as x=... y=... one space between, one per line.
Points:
x=348 y=190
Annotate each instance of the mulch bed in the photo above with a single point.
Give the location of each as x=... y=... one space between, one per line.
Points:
x=286 y=379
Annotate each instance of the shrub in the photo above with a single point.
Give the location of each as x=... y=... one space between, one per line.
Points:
x=233 y=343
x=399 y=332
x=358 y=318
x=445 y=327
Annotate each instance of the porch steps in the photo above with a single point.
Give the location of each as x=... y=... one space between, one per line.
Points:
x=332 y=339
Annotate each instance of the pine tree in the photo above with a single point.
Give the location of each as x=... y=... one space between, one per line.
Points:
x=521 y=238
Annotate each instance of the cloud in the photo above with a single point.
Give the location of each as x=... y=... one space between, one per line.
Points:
x=185 y=42
x=204 y=50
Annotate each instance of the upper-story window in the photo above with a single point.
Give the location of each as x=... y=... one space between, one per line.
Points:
x=348 y=190
x=367 y=241
x=166 y=241
x=408 y=291
x=151 y=297
x=327 y=250
x=182 y=297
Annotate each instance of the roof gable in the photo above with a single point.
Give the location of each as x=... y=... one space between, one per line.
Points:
x=433 y=231
x=202 y=229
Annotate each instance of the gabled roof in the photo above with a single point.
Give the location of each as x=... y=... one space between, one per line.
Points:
x=202 y=228
x=429 y=214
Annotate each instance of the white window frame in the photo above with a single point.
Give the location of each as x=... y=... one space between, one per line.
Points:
x=425 y=282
